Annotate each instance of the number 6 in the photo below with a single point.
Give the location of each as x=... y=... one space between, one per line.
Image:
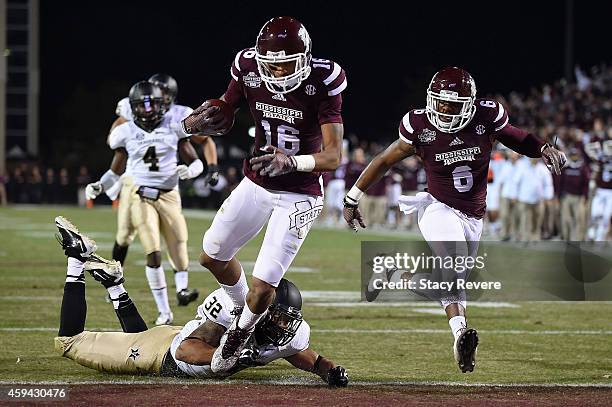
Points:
x=462 y=176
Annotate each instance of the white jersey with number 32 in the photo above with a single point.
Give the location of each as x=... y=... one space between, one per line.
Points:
x=152 y=156
x=217 y=307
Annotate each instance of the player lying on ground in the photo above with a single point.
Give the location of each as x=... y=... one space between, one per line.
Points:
x=454 y=136
x=173 y=350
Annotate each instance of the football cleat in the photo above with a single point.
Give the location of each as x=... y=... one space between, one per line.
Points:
x=231 y=345
x=74 y=243
x=185 y=296
x=164 y=318
x=464 y=349
x=107 y=272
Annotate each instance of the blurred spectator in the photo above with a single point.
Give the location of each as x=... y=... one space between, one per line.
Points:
x=82 y=180
x=17 y=187
x=529 y=193
x=51 y=188
x=3 y=192
x=574 y=191
x=35 y=186
x=509 y=211
x=547 y=212
x=65 y=188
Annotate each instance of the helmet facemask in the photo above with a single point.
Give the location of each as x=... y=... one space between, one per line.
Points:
x=279 y=325
x=287 y=83
x=148 y=112
x=447 y=122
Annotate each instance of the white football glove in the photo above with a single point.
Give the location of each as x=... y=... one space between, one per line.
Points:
x=93 y=190
x=193 y=170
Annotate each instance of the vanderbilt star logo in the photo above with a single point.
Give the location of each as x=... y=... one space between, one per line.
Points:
x=134 y=353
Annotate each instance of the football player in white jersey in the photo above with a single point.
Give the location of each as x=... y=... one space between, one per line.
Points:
x=126 y=230
x=148 y=146
x=173 y=350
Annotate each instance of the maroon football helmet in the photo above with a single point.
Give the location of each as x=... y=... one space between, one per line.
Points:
x=283 y=40
x=450 y=99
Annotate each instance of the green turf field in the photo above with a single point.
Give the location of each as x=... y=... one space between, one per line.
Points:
x=529 y=343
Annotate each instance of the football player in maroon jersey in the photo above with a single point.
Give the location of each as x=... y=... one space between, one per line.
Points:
x=295 y=101
x=453 y=136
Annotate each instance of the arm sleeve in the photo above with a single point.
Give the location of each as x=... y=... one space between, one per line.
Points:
x=117 y=138
x=520 y=141
x=406 y=132
x=234 y=93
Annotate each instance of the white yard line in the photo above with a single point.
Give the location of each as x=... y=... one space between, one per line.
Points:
x=300 y=382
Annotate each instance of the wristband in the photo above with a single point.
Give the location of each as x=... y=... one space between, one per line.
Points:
x=108 y=180
x=304 y=163
x=355 y=194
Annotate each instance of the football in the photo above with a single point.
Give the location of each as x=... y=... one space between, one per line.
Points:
x=226 y=114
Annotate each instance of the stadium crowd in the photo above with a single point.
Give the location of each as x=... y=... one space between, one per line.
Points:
x=524 y=203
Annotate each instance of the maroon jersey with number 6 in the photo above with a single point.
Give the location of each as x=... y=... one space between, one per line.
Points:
x=292 y=121
x=457 y=163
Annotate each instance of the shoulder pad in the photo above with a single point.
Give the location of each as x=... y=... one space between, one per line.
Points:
x=331 y=74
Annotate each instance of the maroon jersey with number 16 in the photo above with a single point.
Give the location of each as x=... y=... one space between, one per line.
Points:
x=292 y=121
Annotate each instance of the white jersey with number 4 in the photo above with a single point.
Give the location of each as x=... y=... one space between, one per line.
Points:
x=217 y=307
x=152 y=156
x=176 y=113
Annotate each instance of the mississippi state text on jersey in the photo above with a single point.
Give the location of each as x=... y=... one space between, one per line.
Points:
x=292 y=121
x=457 y=163
x=152 y=157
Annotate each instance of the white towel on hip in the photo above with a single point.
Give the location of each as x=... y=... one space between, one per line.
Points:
x=410 y=203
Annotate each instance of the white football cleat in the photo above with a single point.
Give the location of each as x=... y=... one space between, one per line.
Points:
x=464 y=349
x=231 y=345
x=164 y=318
x=108 y=272
x=74 y=243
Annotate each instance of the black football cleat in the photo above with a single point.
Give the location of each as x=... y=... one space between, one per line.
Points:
x=74 y=243
x=464 y=350
x=185 y=296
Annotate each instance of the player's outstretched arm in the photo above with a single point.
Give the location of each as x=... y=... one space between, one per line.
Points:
x=199 y=347
x=327 y=370
x=111 y=176
x=395 y=153
x=189 y=155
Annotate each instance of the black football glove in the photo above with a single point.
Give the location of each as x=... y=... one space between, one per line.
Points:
x=212 y=175
x=248 y=357
x=337 y=377
x=274 y=163
x=351 y=213
x=554 y=159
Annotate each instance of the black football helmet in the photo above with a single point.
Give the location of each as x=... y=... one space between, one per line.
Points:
x=284 y=316
x=146 y=101
x=168 y=86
